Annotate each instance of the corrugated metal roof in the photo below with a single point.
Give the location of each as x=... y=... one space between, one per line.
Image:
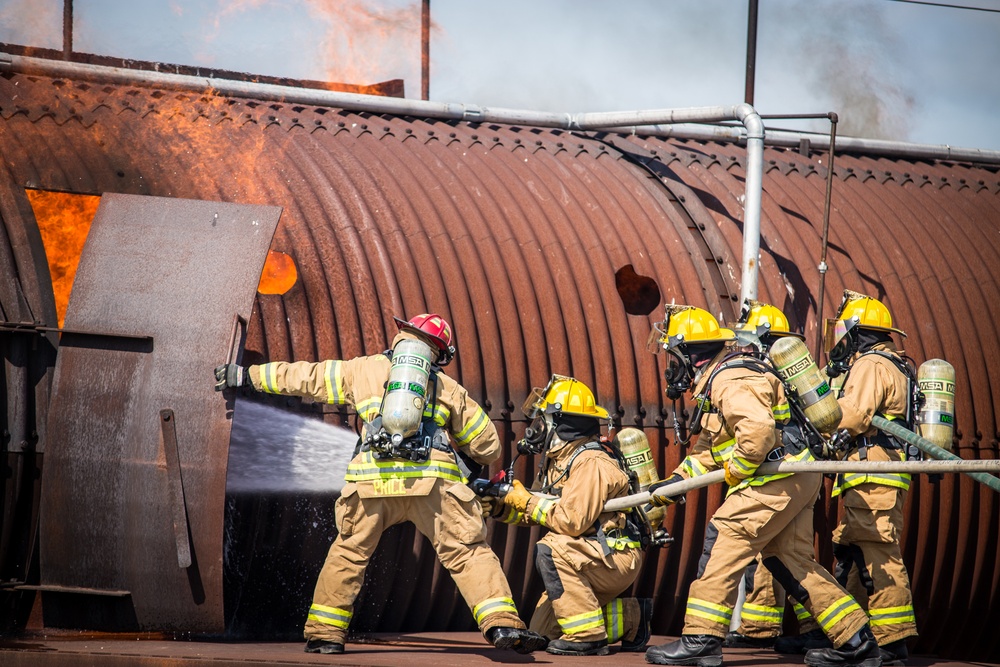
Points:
x=516 y=235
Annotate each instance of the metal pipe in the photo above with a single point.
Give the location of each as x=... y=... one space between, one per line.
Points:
x=789 y=139
x=826 y=236
x=425 y=50
x=928 y=447
x=817 y=467
x=744 y=113
x=67 y=29
x=751 y=51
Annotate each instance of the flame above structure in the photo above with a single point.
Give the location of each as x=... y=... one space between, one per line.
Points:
x=543 y=248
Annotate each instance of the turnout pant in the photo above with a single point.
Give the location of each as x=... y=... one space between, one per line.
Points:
x=580 y=602
x=449 y=516
x=774 y=520
x=869 y=561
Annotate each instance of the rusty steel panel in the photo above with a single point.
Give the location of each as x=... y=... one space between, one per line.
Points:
x=135 y=478
x=536 y=244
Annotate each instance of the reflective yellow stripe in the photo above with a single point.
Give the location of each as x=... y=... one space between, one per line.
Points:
x=581 y=622
x=368 y=408
x=782 y=412
x=847 y=481
x=722 y=451
x=742 y=467
x=475 y=426
x=493 y=606
x=804 y=455
x=541 y=512
x=762 y=614
x=614 y=619
x=693 y=467
x=801 y=613
x=511 y=516
x=340 y=618
x=268 y=377
x=622 y=543
x=891 y=615
x=334 y=383
x=709 y=611
x=367 y=469
x=440 y=416
x=837 y=611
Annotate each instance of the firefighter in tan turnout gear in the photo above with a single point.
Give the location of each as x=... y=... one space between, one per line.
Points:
x=588 y=557
x=763 y=611
x=879 y=380
x=736 y=399
x=407 y=469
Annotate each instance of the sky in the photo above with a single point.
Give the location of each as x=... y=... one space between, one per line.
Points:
x=891 y=70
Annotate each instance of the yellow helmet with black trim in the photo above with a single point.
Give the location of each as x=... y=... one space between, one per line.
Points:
x=564 y=395
x=760 y=319
x=687 y=325
x=870 y=313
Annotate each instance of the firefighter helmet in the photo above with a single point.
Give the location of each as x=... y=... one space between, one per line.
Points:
x=563 y=395
x=687 y=325
x=435 y=329
x=857 y=311
x=759 y=320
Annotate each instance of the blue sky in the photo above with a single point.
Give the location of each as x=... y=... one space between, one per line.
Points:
x=891 y=70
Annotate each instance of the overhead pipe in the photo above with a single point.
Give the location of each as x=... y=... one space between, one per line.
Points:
x=791 y=139
x=744 y=113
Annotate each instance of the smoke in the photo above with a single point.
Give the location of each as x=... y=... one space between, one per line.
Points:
x=273 y=450
x=848 y=57
x=361 y=42
x=32 y=23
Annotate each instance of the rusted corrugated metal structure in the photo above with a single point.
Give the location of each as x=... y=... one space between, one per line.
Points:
x=549 y=251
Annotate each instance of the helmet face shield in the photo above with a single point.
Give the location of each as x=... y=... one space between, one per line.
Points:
x=834 y=334
x=656 y=342
x=532 y=405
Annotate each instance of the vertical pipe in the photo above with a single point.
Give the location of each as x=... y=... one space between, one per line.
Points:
x=425 y=50
x=67 y=29
x=826 y=236
x=751 y=51
x=752 y=199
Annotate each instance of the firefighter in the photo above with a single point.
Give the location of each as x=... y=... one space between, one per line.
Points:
x=419 y=479
x=878 y=380
x=771 y=515
x=763 y=611
x=588 y=556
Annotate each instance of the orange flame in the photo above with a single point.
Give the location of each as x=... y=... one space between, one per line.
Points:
x=64 y=222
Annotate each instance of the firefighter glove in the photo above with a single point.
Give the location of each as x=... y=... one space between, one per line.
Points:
x=517 y=497
x=489 y=504
x=662 y=501
x=731 y=478
x=231 y=376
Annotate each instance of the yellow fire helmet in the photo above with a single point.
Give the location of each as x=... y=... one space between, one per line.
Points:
x=687 y=325
x=564 y=395
x=760 y=319
x=857 y=310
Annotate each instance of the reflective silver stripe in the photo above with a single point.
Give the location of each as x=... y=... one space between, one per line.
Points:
x=581 y=622
x=475 y=426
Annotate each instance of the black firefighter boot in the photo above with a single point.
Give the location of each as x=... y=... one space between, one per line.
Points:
x=645 y=630
x=700 y=650
x=894 y=654
x=516 y=639
x=861 y=650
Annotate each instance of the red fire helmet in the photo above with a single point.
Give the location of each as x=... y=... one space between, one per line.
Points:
x=433 y=327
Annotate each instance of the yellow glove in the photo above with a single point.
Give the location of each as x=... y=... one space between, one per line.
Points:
x=517 y=497
x=663 y=501
x=731 y=478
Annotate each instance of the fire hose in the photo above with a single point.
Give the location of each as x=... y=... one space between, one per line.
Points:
x=947 y=463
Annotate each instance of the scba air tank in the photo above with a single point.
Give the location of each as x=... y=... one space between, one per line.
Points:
x=936 y=418
x=406 y=389
x=634 y=446
x=795 y=365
